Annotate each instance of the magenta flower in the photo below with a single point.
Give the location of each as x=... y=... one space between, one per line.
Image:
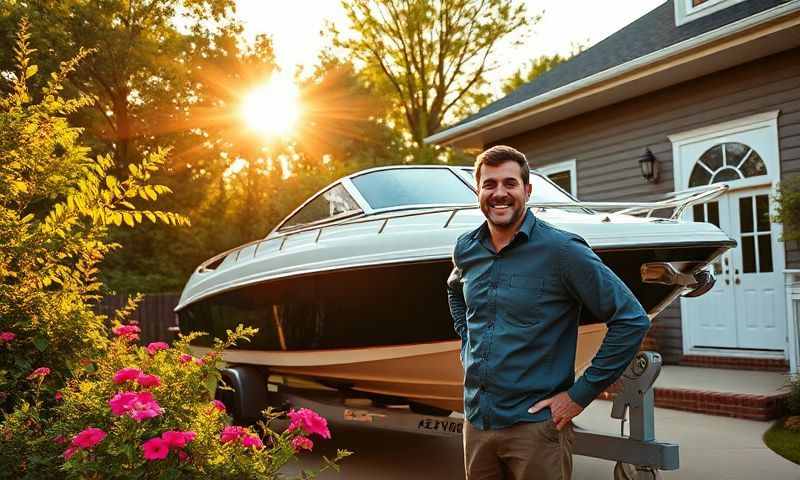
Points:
x=126 y=375
x=199 y=361
x=154 y=347
x=40 y=372
x=58 y=396
x=231 y=434
x=145 y=407
x=127 y=332
x=60 y=439
x=178 y=439
x=302 y=443
x=183 y=456
x=121 y=402
x=155 y=449
x=218 y=405
x=185 y=358
x=89 y=437
x=138 y=406
x=309 y=422
x=147 y=380
x=69 y=452
x=252 y=441
x=7 y=336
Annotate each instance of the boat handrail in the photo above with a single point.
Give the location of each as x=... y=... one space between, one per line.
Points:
x=679 y=203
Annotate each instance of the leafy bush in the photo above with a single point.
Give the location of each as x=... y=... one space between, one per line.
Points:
x=793 y=401
x=75 y=403
x=788 y=208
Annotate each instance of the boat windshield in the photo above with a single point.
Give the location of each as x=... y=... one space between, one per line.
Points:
x=333 y=202
x=413 y=186
x=543 y=190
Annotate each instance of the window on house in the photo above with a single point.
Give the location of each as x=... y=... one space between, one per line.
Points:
x=563 y=174
x=725 y=162
x=688 y=10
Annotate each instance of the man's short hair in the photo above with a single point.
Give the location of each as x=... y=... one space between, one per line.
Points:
x=499 y=154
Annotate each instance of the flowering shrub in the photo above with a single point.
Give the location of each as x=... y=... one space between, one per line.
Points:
x=140 y=413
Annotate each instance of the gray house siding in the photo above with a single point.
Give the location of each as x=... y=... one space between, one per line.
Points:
x=607 y=143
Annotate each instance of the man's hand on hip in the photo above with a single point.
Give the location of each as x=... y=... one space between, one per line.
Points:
x=562 y=408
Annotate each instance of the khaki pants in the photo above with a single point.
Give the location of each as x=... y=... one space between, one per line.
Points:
x=520 y=452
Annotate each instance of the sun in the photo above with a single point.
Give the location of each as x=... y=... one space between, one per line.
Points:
x=273 y=108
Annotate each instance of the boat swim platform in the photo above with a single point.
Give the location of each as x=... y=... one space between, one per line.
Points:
x=746 y=394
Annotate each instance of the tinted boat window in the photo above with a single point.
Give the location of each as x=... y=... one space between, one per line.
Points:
x=413 y=186
x=544 y=191
x=330 y=203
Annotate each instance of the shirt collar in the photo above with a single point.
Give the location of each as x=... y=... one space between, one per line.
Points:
x=526 y=229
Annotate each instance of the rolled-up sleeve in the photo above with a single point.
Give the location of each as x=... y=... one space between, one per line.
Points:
x=608 y=299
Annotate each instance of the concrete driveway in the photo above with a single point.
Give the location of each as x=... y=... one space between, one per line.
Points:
x=711 y=448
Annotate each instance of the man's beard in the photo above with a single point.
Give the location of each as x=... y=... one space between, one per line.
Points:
x=516 y=214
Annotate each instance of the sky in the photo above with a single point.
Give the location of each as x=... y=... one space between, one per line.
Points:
x=295 y=27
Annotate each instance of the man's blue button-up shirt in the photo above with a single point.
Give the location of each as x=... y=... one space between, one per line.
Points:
x=517 y=313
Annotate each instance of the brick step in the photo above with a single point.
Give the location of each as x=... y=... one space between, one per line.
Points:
x=737 y=363
x=737 y=405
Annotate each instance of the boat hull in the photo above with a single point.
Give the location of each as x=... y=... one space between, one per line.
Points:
x=425 y=374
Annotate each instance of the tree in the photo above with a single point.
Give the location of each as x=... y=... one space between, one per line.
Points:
x=537 y=67
x=432 y=55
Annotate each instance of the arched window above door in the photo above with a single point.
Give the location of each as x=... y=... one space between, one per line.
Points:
x=725 y=162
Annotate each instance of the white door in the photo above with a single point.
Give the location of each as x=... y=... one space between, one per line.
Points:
x=746 y=308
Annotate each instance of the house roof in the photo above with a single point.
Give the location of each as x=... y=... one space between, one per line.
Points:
x=650 y=33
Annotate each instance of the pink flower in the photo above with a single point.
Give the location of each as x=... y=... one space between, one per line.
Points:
x=178 y=439
x=126 y=374
x=302 y=443
x=69 y=452
x=218 y=405
x=147 y=380
x=89 y=437
x=127 y=332
x=309 y=422
x=185 y=358
x=58 y=396
x=139 y=406
x=121 y=402
x=60 y=439
x=182 y=456
x=231 y=433
x=253 y=441
x=40 y=372
x=155 y=449
x=199 y=361
x=7 y=336
x=154 y=347
x=144 y=407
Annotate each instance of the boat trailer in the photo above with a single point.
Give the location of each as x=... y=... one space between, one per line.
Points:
x=638 y=455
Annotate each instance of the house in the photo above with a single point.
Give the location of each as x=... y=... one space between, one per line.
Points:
x=709 y=89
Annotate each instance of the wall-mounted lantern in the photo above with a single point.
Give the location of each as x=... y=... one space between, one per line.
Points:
x=649 y=166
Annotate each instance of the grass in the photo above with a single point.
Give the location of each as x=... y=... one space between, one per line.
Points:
x=783 y=441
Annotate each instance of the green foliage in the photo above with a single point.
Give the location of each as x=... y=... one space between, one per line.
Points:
x=788 y=208
x=430 y=57
x=793 y=401
x=56 y=207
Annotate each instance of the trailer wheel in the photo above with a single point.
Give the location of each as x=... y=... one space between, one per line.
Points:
x=249 y=396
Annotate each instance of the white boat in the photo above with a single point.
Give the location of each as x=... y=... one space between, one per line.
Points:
x=348 y=292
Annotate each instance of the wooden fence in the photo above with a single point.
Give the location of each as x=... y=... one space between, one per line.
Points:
x=154 y=315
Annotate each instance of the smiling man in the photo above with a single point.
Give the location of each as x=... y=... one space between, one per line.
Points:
x=516 y=295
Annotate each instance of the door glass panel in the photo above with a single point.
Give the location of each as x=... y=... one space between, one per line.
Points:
x=748 y=255
x=765 y=253
x=697 y=212
x=746 y=214
x=713 y=213
x=753 y=166
x=762 y=213
x=726 y=175
x=712 y=157
x=700 y=176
